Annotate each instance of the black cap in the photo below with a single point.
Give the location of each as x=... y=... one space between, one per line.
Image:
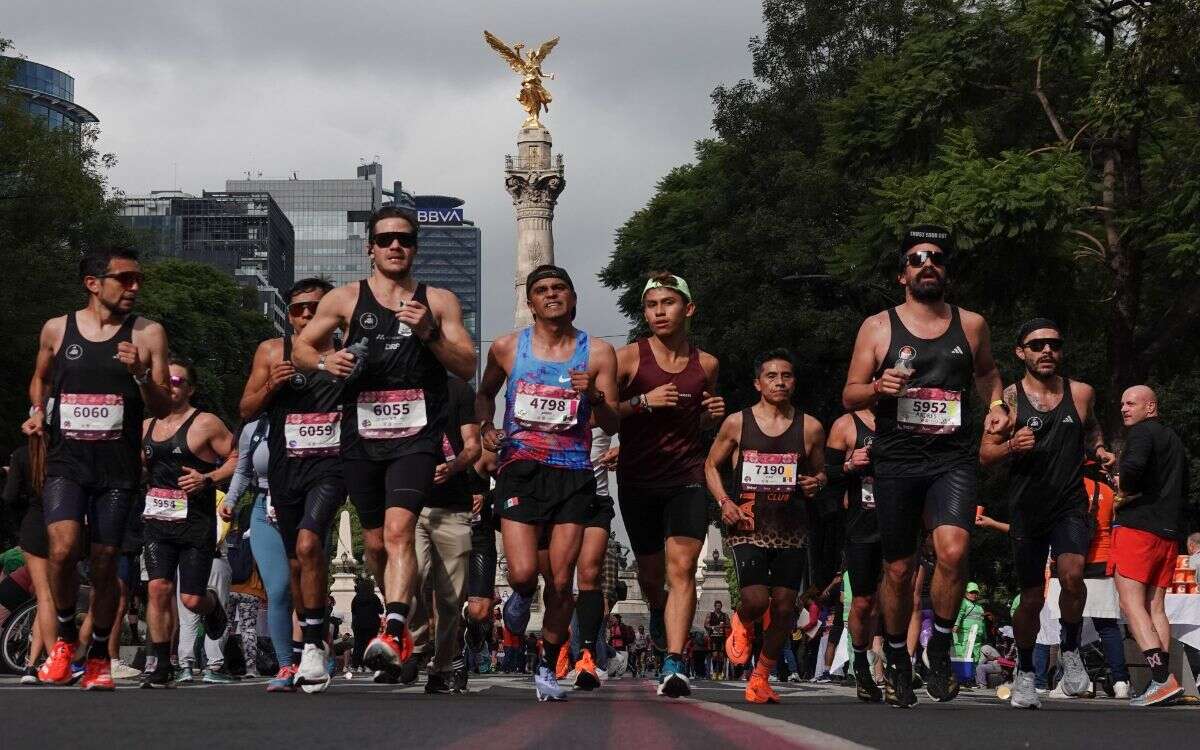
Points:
x=933 y=234
x=1034 y=324
x=547 y=271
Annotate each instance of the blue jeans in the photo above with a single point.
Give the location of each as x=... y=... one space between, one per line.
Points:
x=272 y=561
x=787 y=662
x=1041 y=666
x=1113 y=643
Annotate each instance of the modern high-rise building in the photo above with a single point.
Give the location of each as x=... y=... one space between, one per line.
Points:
x=246 y=235
x=329 y=218
x=49 y=93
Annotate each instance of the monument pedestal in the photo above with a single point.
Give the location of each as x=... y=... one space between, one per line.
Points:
x=341 y=588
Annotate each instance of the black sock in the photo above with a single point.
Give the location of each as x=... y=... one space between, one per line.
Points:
x=99 y=647
x=861 y=665
x=1070 y=635
x=312 y=625
x=161 y=652
x=895 y=650
x=1160 y=664
x=589 y=609
x=397 y=613
x=297 y=649
x=1025 y=659
x=939 y=641
x=550 y=654
x=67 y=629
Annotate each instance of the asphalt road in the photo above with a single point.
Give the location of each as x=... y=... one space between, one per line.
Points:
x=502 y=712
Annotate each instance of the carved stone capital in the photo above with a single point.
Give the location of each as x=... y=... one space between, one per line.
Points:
x=535 y=189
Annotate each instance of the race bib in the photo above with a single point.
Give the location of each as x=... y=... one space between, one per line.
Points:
x=769 y=471
x=868 y=492
x=163 y=504
x=312 y=434
x=929 y=411
x=91 y=416
x=391 y=414
x=545 y=408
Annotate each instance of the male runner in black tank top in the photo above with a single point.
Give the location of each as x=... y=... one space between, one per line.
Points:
x=852 y=434
x=187 y=453
x=97 y=370
x=1055 y=427
x=394 y=406
x=305 y=475
x=912 y=366
x=778 y=455
x=666 y=386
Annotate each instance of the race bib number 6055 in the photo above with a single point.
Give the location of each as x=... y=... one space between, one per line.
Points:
x=391 y=414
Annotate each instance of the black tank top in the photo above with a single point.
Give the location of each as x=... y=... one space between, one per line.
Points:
x=862 y=525
x=304 y=440
x=1046 y=483
x=925 y=431
x=767 y=472
x=167 y=515
x=381 y=417
x=96 y=423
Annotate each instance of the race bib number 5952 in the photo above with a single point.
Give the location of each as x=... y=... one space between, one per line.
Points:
x=929 y=411
x=391 y=414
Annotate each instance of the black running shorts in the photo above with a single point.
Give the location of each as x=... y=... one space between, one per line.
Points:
x=765 y=566
x=375 y=486
x=864 y=564
x=907 y=505
x=314 y=511
x=34 y=540
x=165 y=557
x=104 y=509
x=1070 y=535
x=530 y=492
x=602 y=513
x=652 y=516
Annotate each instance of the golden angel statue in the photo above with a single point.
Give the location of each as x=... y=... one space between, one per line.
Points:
x=533 y=97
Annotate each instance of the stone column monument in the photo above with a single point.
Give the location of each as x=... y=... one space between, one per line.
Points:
x=342 y=585
x=534 y=181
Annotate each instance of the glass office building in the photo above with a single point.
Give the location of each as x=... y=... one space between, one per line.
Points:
x=48 y=93
x=246 y=235
x=329 y=218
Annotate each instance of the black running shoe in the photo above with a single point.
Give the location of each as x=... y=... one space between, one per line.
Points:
x=389 y=676
x=940 y=682
x=215 y=621
x=458 y=681
x=868 y=691
x=436 y=684
x=897 y=687
x=160 y=678
x=410 y=668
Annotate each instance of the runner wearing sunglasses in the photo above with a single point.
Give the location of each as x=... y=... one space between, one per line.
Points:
x=1055 y=428
x=98 y=370
x=913 y=366
x=404 y=337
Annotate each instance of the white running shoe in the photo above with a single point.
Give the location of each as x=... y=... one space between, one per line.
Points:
x=313 y=675
x=547 y=687
x=1075 y=682
x=122 y=671
x=1121 y=690
x=1024 y=694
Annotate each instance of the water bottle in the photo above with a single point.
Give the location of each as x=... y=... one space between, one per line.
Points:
x=359 y=350
x=905 y=360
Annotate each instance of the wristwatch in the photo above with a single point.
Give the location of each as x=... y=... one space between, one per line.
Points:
x=640 y=404
x=321 y=362
x=143 y=379
x=35 y=409
x=595 y=398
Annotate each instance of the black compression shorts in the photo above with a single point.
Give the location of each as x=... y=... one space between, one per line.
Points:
x=864 y=564
x=104 y=509
x=765 y=566
x=375 y=486
x=314 y=511
x=1069 y=535
x=533 y=493
x=33 y=532
x=906 y=505
x=602 y=513
x=652 y=516
x=481 y=575
x=165 y=557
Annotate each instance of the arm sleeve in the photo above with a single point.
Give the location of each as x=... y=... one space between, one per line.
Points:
x=834 y=460
x=1135 y=458
x=245 y=465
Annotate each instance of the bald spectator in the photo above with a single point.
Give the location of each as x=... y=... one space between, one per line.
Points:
x=1152 y=483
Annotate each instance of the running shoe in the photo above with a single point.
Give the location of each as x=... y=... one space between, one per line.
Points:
x=739 y=642
x=585 y=671
x=313 y=672
x=97 y=675
x=77 y=671
x=1075 y=682
x=1159 y=693
x=563 y=664
x=940 y=683
x=897 y=687
x=29 y=676
x=282 y=681
x=516 y=612
x=673 y=683
x=865 y=687
x=122 y=671
x=547 y=687
x=411 y=668
x=57 y=667
x=185 y=675
x=385 y=651
x=758 y=690
x=1024 y=691
x=160 y=678
x=1121 y=690
x=458 y=681
x=215 y=621
x=390 y=676
x=436 y=684
x=216 y=677
x=658 y=629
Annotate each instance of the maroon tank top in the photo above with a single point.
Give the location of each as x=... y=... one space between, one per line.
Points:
x=663 y=448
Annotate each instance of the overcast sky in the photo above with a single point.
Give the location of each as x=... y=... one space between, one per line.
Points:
x=189 y=95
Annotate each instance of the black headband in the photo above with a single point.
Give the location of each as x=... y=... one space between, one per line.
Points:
x=1034 y=324
x=546 y=272
x=927 y=233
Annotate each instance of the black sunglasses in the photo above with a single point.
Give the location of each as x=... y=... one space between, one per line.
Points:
x=917 y=259
x=297 y=308
x=125 y=278
x=1038 y=345
x=385 y=239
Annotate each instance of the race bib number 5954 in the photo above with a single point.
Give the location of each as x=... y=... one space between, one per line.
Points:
x=929 y=411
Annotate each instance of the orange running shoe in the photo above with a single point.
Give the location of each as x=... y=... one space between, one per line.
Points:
x=758 y=690
x=57 y=667
x=97 y=675
x=585 y=671
x=385 y=651
x=563 y=666
x=738 y=643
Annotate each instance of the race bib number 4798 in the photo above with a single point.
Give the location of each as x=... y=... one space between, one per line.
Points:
x=391 y=414
x=768 y=471
x=929 y=411
x=546 y=408
x=91 y=416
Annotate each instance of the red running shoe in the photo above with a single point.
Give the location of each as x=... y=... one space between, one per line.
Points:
x=739 y=642
x=57 y=667
x=385 y=651
x=97 y=675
